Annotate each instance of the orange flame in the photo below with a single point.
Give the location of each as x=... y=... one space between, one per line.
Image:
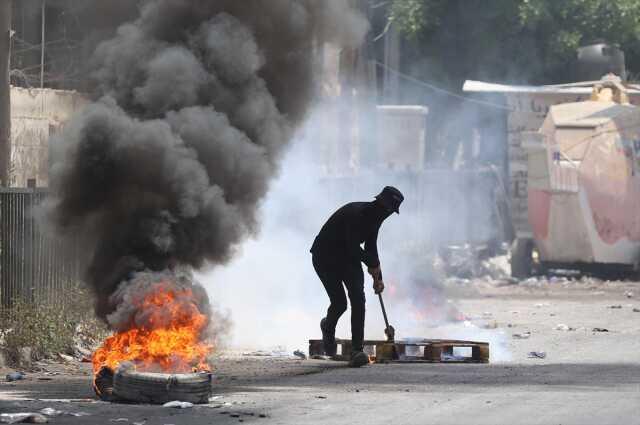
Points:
x=170 y=341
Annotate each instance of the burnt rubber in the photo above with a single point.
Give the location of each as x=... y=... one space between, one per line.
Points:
x=103 y=385
x=159 y=388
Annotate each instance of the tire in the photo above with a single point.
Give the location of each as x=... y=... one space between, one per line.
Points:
x=103 y=385
x=160 y=388
x=521 y=258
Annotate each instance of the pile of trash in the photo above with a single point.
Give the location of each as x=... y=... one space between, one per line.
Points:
x=466 y=263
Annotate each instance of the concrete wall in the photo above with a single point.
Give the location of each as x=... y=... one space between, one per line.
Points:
x=36 y=114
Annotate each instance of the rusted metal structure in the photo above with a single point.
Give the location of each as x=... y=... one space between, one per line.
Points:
x=573 y=174
x=583 y=188
x=34 y=268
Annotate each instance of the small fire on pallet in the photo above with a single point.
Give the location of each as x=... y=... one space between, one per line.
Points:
x=412 y=351
x=168 y=350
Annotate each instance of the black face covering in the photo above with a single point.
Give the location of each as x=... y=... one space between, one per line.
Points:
x=377 y=211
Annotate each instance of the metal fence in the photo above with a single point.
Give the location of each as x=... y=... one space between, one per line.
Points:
x=34 y=267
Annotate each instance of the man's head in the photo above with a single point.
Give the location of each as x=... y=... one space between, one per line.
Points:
x=390 y=198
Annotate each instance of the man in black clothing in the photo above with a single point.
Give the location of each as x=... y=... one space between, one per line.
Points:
x=336 y=258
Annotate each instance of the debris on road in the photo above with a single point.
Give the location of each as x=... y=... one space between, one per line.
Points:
x=277 y=351
x=600 y=330
x=178 y=404
x=563 y=327
x=66 y=357
x=49 y=411
x=15 y=376
x=636 y=310
x=300 y=354
x=628 y=294
x=616 y=307
x=23 y=418
x=523 y=335
x=490 y=325
x=537 y=355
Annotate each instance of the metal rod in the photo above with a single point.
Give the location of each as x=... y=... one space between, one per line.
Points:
x=384 y=310
x=389 y=331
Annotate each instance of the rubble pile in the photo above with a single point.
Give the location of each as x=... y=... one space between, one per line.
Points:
x=460 y=266
x=465 y=263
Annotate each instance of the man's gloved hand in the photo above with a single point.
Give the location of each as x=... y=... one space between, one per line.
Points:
x=378 y=286
x=375 y=272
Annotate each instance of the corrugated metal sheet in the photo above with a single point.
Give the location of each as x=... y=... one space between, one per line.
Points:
x=33 y=267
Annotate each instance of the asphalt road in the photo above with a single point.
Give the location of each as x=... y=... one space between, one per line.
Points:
x=380 y=394
x=587 y=377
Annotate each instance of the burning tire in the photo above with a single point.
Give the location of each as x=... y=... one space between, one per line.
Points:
x=161 y=387
x=103 y=385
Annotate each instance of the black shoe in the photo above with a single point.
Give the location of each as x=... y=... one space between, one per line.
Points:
x=358 y=358
x=328 y=339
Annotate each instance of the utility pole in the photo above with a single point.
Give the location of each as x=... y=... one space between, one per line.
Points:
x=43 y=40
x=367 y=97
x=5 y=92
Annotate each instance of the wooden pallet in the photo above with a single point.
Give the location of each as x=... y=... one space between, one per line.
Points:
x=414 y=351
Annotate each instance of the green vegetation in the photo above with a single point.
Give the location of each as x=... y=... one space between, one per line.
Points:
x=48 y=329
x=523 y=41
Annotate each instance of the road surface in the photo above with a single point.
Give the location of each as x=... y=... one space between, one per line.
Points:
x=587 y=377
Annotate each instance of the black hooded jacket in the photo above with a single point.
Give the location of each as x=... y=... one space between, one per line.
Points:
x=340 y=238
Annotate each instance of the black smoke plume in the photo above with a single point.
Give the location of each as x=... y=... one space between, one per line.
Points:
x=194 y=103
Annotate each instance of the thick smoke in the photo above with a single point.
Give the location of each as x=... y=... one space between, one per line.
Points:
x=195 y=102
x=188 y=300
x=421 y=301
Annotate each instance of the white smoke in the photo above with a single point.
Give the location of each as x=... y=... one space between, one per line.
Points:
x=271 y=289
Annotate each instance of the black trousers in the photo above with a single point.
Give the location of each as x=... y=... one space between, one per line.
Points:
x=333 y=274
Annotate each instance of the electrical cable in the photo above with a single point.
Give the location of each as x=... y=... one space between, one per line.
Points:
x=441 y=90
